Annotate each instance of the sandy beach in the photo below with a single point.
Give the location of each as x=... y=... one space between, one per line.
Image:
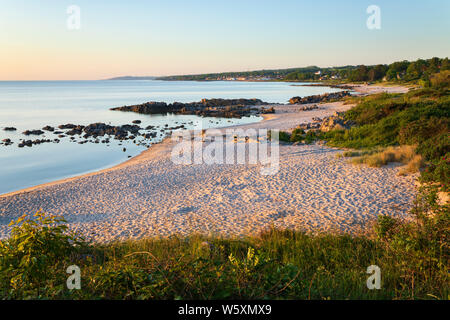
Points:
x=150 y=196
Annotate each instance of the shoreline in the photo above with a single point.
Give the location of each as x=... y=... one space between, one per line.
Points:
x=153 y=149
x=148 y=195
x=98 y=171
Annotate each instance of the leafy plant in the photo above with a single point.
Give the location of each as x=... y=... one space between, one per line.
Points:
x=38 y=244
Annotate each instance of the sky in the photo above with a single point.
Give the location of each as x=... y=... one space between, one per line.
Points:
x=167 y=37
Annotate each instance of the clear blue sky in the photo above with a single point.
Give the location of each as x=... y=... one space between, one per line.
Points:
x=161 y=37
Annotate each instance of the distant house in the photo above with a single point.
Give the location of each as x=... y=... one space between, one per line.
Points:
x=318 y=73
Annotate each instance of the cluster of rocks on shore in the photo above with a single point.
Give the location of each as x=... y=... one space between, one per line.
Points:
x=326 y=97
x=335 y=121
x=223 y=108
x=308 y=108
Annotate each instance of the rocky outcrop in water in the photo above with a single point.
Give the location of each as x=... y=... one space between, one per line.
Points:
x=48 y=128
x=30 y=143
x=224 y=108
x=326 y=97
x=6 y=142
x=33 y=132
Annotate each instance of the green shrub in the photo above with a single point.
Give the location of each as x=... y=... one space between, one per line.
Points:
x=310 y=137
x=37 y=244
x=419 y=117
x=284 y=136
x=297 y=135
x=385 y=227
x=436 y=147
x=438 y=171
x=441 y=79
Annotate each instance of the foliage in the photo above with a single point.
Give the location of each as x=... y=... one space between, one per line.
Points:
x=421 y=244
x=440 y=80
x=401 y=71
x=438 y=171
x=37 y=244
x=298 y=135
x=419 y=118
x=277 y=264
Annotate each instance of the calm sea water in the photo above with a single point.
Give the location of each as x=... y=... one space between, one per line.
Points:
x=30 y=105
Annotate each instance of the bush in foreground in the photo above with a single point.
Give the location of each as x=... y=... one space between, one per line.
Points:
x=277 y=264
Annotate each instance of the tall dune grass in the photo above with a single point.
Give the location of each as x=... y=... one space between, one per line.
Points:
x=380 y=157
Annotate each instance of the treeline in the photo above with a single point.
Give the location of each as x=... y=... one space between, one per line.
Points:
x=405 y=71
x=272 y=74
x=419 y=71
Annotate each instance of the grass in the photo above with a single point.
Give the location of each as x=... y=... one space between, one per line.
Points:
x=382 y=156
x=277 y=264
x=297 y=135
x=411 y=128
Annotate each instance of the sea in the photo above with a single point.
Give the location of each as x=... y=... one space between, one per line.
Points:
x=31 y=105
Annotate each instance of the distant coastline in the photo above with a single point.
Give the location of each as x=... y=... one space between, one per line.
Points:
x=133 y=78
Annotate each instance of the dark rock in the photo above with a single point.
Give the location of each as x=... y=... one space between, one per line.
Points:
x=309 y=108
x=326 y=97
x=67 y=126
x=48 y=128
x=269 y=110
x=336 y=121
x=73 y=132
x=225 y=108
x=33 y=132
x=9 y=129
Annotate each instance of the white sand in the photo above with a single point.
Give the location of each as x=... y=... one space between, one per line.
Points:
x=151 y=196
x=372 y=89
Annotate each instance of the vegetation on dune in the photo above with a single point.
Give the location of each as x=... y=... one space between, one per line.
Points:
x=297 y=135
x=418 y=121
x=278 y=264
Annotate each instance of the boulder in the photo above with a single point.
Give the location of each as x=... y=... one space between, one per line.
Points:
x=326 y=97
x=33 y=132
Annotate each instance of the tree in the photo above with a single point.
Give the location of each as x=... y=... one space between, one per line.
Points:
x=359 y=74
x=416 y=70
x=377 y=73
x=397 y=70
